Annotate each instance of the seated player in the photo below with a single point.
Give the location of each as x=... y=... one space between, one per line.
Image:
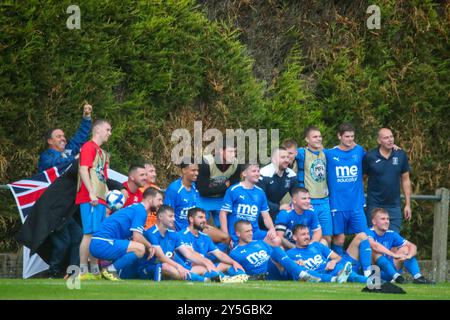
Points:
x=166 y=241
x=265 y=259
x=391 y=263
x=112 y=240
x=246 y=201
x=201 y=243
x=301 y=214
x=182 y=195
x=316 y=256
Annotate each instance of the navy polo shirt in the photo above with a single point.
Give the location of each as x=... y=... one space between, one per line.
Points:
x=384 y=175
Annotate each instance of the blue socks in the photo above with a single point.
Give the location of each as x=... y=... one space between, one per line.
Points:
x=125 y=260
x=387 y=266
x=413 y=267
x=194 y=277
x=365 y=254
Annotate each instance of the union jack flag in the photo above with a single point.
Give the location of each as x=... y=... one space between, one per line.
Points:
x=27 y=191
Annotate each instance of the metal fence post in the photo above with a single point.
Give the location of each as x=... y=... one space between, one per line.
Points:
x=440 y=232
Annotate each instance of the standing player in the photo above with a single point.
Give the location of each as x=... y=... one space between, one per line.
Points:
x=344 y=169
x=301 y=214
x=92 y=191
x=277 y=181
x=312 y=174
x=246 y=201
x=112 y=240
x=182 y=195
x=391 y=263
x=316 y=256
x=387 y=169
x=200 y=242
x=265 y=259
x=216 y=174
x=291 y=147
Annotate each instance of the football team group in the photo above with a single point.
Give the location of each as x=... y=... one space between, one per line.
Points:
x=224 y=221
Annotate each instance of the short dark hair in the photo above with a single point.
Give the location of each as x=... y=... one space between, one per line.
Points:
x=237 y=225
x=186 y=162
x=309 y=129
x=375 y=211
x=193 y=211
x=299 y=227
x=134 y=167
x=289 y=143
x=248 y=165
x=164 y=208
x=345 y=127
x=299 y=189
x=49 y=132
x=151 y=192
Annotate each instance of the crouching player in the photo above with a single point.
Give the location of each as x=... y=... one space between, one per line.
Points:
x=392 y=252
x=167 y=244
x=200 y=242
x=264 y=259
x=317 y=257
x=112 y=240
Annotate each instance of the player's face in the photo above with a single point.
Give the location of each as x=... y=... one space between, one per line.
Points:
x=139 y=177
x=151 y=173
x=157 y=202
x=191 y=172
x=386 y=139
x=251 y=174
x=229 y=155
x=302 y=200
x=57 y=140
x=282 y=160
x=292 y=153
x=168 y=219
x=245 y=234
x=314 y=139
x=199 y=221
x=302 y=238
x=104 y=131
x=381 y=222
x=347 y=139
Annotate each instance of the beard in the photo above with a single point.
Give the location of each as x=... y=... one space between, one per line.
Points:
x=199 y=227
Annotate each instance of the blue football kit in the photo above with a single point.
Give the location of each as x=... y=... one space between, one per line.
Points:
x=181 y=200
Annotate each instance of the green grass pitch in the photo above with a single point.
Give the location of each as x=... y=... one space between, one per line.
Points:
x=166 y=290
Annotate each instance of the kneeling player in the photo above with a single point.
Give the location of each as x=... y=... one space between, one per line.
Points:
x=166 y=241
x=111 y=241
x=265 y=259
x=315 y=256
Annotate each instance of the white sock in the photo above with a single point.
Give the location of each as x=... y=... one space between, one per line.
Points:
x=417 y=276
x=111 y=268
x=367 y=273
x=94 y=268
x=396 y=276
x=333 y=279
x=84 y=268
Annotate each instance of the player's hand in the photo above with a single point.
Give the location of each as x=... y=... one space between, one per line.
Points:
x=150 y=251
x=210 y=266
x=331 y=265
x=183 y=272
x=125 y=193
x=272 y=234
x=237 y=266
x=408 y=213
x=396 y=147
x=285 y=206
x=94 y=199
x=87 y=110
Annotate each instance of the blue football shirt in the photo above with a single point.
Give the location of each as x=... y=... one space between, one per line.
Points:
x=201 y=244
x=181 y=200
x=244 y=204
x=315 y=256
x=390 y=239
x=287 y=220
x=345 y=178
x=169 y=242
x=253 y=257
x=123 y=222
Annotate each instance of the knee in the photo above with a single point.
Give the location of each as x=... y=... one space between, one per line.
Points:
x=139 y=250
x=361 y=236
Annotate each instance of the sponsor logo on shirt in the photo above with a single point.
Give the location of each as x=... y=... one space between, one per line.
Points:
x=395 y=161
x=346 y=173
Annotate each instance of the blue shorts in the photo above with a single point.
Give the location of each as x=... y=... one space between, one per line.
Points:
x=274 y=274
x=92 y=217
x=108 y=249
x=323 y=211
x=349 y=222
x=257 y=235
